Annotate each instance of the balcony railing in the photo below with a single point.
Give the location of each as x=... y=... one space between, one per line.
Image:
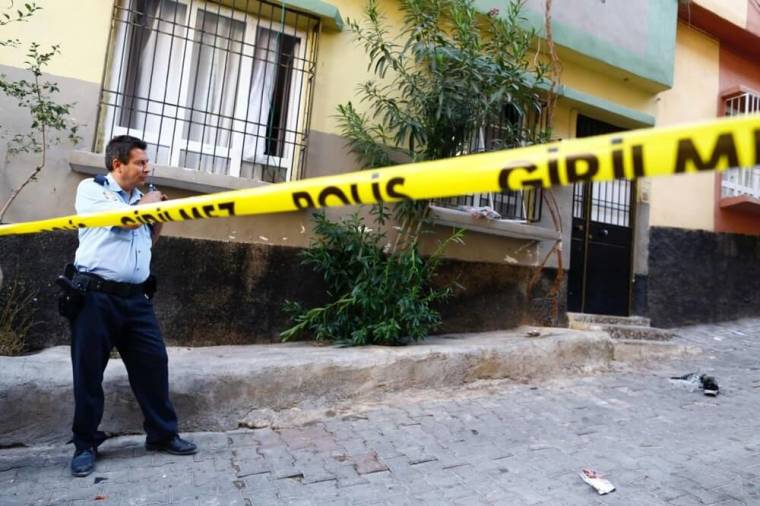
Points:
x=740 y=182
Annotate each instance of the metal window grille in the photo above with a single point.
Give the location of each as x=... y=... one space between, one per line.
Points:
x=212 y=88
x=610 y=202
x=737 y=182
x=525 y=205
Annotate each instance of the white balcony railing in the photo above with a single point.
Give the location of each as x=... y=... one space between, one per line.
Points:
x=738 y=182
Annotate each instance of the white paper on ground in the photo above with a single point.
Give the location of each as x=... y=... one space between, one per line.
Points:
x=596 y=481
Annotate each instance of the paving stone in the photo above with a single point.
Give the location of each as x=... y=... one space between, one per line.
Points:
x=368 y=463
x=511 y=444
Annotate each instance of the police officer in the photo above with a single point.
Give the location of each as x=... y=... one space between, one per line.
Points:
x=112 y=267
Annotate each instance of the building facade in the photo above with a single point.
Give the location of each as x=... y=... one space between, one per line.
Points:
x=234 y=94
x=705 y=228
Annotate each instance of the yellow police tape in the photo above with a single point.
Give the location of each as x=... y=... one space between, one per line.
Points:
x=711 y=146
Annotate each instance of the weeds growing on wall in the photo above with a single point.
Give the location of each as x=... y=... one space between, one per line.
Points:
x=17 y=311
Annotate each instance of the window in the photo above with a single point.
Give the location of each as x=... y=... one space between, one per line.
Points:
x=738 y=182
x=210 y=88
x=522 y=205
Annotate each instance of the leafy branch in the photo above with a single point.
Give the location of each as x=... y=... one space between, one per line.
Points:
x=50 y=120
x=19 y=16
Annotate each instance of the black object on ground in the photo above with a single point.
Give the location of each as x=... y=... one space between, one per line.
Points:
x=694 y=380
x=709 y=385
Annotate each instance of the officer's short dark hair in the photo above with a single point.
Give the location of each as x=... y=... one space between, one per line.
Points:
x=119 y=148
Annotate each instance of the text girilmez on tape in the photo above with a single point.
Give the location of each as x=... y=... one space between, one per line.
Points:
x=710 y=146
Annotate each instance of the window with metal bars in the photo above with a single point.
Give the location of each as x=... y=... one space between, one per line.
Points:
x=211 y=88
x=738 y=182
x=523 y=205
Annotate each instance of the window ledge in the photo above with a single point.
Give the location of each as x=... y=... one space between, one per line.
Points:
x=744 y=203
x=85 y=162
x=505 y=228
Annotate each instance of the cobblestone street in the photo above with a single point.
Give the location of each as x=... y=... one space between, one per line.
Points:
x=491 y=443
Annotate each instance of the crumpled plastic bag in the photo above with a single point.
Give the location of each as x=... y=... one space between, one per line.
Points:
x=486 y=212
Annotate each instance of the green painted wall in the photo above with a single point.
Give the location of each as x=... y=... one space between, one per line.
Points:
x=637 y=37
x=327 y=12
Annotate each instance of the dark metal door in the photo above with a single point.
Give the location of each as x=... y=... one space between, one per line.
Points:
x=601 y=255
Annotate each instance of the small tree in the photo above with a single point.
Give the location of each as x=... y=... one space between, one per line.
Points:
x=450 y=73
x=50 y=120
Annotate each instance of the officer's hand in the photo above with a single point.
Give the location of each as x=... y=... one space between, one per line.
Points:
x=152 y=197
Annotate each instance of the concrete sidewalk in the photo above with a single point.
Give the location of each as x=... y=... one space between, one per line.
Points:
x=222 y=388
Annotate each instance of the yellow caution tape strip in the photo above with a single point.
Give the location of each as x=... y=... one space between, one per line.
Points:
x=711 y=146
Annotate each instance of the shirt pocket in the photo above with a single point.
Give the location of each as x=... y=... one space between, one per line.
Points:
x=122 y=234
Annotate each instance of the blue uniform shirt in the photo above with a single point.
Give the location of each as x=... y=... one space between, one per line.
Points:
x=114 y=253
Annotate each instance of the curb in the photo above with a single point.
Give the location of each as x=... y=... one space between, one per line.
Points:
x=214 y=388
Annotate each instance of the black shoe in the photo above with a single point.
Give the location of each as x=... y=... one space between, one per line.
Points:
x=83 y=462
x=175 y=446
x=709 y=385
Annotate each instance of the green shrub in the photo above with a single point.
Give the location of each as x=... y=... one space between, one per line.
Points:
x=377 y=297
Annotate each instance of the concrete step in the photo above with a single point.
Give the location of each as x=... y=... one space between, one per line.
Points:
x=636 y=332
x=220 y=388
x=582 y=320
x=637 y=350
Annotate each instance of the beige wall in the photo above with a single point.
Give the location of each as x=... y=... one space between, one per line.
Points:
x=687 y=201
x=588 y=76
x=734 y=11
x=81 y=29
x=342 y=64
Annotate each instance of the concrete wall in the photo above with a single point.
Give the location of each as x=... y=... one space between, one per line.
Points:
x=633 y=39
x=52 y=194
x=213 y=292
x=696 y=276
x=80 y=27
x=686 y=201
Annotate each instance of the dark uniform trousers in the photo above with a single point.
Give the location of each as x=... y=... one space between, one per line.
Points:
x=129 y=324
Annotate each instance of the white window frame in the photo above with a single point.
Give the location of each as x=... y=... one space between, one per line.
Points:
x=176 y=139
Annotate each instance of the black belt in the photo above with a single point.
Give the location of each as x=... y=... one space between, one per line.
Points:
x=94 y=282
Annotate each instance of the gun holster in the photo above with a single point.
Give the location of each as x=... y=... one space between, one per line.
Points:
x=71 y=299
x=151 y=285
